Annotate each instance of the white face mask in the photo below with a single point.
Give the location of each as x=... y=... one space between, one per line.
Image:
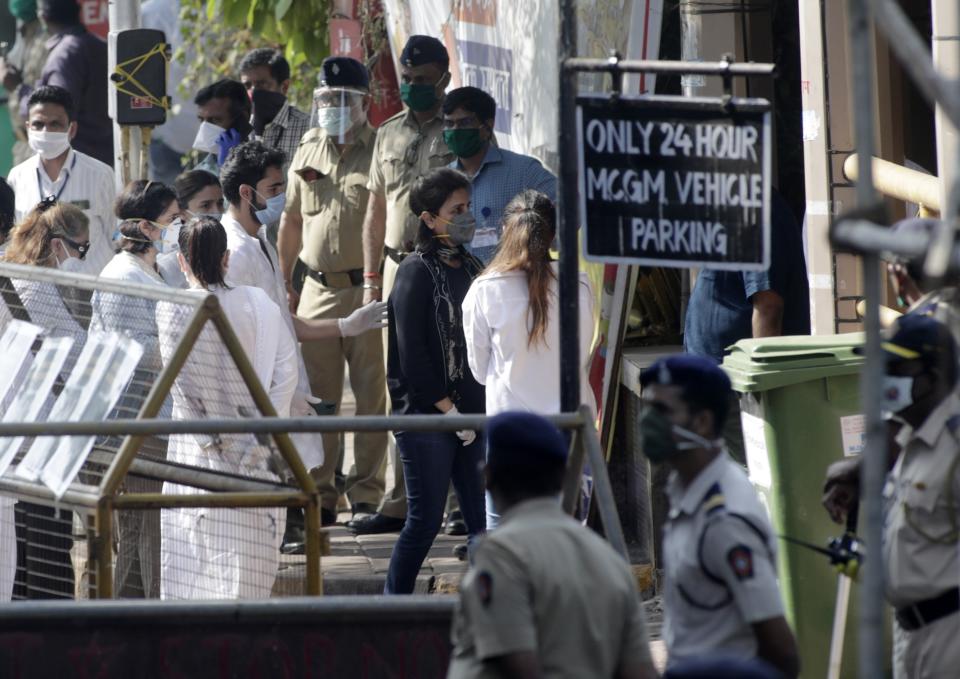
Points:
x=694 y=440
x=336 y=120
x=206 y=139
x=48 y=144
x=897 y=393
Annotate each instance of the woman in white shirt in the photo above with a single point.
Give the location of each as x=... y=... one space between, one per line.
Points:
x=57 y=236
x=212 y=553
x=148 y=214
x=511 y=317
x=209 y=553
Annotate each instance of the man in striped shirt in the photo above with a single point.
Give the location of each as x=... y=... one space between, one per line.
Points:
x=59 y=171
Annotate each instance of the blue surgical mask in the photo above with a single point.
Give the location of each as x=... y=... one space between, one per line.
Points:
x=273 y=209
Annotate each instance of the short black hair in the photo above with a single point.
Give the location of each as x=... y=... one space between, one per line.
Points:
x=231 y=90
x=470 y=99
x=267 y=56
x=52 y=94
x=190 y=183
x=63 y=12
x=247 y=164
x=7 y=209
x=429 y=193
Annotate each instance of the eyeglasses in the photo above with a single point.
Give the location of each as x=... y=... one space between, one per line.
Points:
x=82 y=248
x=465 y=123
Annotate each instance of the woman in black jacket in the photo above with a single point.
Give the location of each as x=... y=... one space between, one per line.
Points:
x=428 y=373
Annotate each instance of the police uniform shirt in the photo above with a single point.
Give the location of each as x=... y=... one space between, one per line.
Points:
x=921 y=496
x=404 y=151
x=330 y=192
x=543 y=583
x=719 y=562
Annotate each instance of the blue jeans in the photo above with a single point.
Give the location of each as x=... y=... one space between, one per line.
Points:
x=431 y=460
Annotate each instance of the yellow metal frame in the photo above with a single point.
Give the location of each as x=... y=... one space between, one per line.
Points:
x=112 y=499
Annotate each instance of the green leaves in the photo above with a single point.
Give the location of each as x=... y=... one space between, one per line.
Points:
x=218 y=33
x=281 y=9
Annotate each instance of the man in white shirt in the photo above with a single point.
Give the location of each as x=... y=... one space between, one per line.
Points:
x=58 y=171
x=253 y=185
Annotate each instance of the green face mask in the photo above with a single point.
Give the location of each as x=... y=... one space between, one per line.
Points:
x=657 y=437
x=464 y=143
x=418 y=97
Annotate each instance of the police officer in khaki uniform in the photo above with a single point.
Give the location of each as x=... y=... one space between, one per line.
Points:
x=922 y=515
x=545 y=595
x=322 y=224
x=409 y=145
x=719 y=551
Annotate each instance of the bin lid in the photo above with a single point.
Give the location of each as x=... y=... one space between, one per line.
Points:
x=772 y=362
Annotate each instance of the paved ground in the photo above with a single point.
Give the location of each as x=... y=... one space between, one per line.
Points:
x=358 y=564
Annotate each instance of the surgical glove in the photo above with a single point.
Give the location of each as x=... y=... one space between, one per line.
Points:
x=372 y=316
x=468 y=436
x=225 y=142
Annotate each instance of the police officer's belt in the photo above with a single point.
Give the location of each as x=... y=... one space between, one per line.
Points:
x=929 y=610
x=394 y=254
x=339 y=279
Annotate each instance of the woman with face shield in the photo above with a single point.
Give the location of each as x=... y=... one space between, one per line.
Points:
x=428 y=371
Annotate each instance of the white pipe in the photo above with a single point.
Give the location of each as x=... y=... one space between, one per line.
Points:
x=124 y=15
x=945 y=19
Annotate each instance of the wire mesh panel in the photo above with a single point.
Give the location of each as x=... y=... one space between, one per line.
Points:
x=86 y=350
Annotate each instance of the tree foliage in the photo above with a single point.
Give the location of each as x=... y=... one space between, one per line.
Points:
x=218 y=33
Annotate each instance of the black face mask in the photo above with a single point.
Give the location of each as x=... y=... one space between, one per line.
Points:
x=266 y=106
x=242 y=125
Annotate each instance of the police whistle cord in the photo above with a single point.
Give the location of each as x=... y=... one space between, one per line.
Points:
x=845 y=552
x=122 y=76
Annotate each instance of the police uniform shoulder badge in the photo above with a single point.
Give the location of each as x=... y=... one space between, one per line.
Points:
x=740 y=559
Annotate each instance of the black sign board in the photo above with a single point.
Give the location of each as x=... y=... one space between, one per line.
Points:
x=675 y=181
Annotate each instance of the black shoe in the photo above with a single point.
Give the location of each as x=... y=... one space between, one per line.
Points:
x=460 y=551
x=378 y=523
x=293 y=535
x=328 y=517
x=364 y=508
x=455 y=524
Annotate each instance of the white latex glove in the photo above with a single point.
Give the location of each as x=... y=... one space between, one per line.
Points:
x=373 y=316
x=468 y=436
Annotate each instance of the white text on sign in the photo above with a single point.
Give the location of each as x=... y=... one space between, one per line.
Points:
x=723 y=142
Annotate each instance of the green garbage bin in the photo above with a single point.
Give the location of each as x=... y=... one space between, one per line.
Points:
x=800 y=403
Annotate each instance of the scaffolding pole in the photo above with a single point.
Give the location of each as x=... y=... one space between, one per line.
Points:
x=568 y=214
x=871 y=656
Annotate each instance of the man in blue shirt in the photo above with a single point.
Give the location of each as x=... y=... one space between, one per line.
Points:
x=728 y=306
x=497 y=175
